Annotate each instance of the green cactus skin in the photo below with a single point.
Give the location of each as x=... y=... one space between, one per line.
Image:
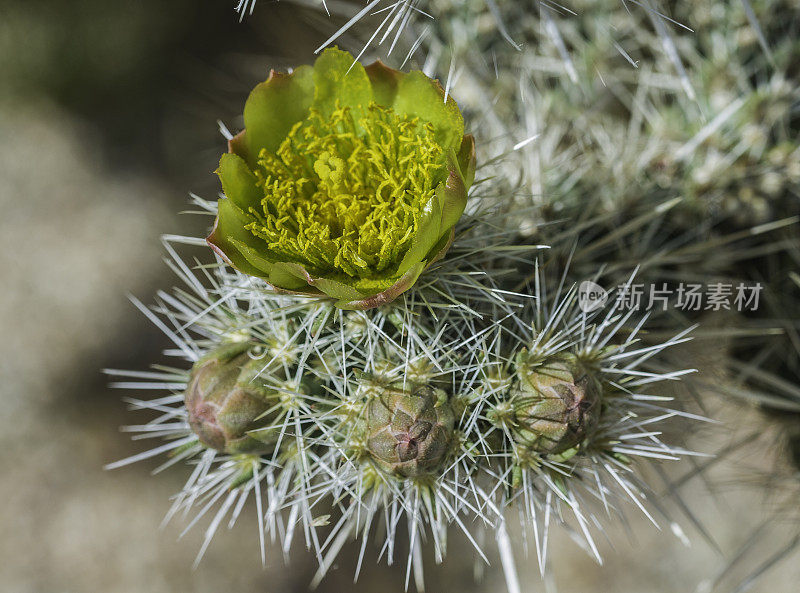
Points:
x=410 y=433
x=556 y=404
x=225 y=401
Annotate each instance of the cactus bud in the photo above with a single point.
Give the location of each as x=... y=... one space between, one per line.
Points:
x=409 y=434
x=226 y=401
x=556 y=403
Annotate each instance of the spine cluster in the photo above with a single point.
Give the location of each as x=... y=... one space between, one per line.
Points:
x=441 y=411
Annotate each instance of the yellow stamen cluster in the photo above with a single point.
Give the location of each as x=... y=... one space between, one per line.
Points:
x=346 y=193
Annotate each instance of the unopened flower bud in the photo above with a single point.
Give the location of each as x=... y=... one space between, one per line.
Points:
x=410 y=433
x=556 y=403
x=226 y=401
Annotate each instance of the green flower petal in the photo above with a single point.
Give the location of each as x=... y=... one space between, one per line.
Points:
x=274 y=107
x=441 y=215
x=337 y=78
x=238 y=182
x=397 y=288
x=337 y=290
x=419 y=95
x=290 y=276
x=429 y=232
x=230 y=240
x=384 y=81
x=440 y=249
x=452 y=193
x=332 y=288
x=255 y=257
x=466 y=159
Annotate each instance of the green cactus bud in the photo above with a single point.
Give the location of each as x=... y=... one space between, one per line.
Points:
x=409 y=434
x=226 y=401
x=555 y=403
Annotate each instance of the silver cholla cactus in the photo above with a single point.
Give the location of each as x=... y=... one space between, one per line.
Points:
x=556 y=403
x=409 y=432
x=226 y=400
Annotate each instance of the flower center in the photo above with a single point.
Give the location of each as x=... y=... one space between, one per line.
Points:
x=346 y=193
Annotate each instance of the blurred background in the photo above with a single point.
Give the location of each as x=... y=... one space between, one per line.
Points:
x=108 y=118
